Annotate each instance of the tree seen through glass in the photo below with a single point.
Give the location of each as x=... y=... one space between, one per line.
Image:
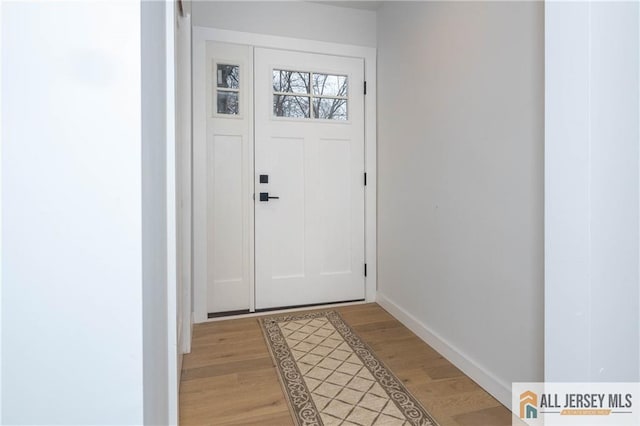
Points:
x=228 y=92
x=304 y=95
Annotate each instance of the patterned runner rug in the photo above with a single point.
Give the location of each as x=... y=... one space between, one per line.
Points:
x=331 y=377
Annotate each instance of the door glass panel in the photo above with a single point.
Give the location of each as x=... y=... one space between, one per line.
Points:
x=228 y=103
x=330 y=85
x=228 y=76
x=330 y=108
x=290 y=81
x=227 y=92
x=326 y=93
x=291 y=106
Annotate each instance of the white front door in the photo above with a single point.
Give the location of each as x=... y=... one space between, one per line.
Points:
x=309 y=153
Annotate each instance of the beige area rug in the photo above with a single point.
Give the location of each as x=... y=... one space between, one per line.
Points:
x=331 y=377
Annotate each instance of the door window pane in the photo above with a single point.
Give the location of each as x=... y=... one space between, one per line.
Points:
x=228 y=76
x=227 y=92
x=311 y=95
x=330 y=108
x=290 y=81
x=291 y=106
x=228 y=103
x=330 y=85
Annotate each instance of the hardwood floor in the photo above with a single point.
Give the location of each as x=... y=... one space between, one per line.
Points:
x=229 y=377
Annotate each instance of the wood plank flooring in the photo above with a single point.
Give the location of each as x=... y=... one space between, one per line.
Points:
x=229 y=377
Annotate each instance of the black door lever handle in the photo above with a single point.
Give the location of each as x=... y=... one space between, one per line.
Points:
x=264 y=196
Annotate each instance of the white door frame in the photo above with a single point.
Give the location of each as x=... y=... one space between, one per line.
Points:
x=200 y=35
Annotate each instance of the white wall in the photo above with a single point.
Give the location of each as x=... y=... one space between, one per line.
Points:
x=71 y=219
x=158 y=213
x=460 y=210
x=88 y=262
x=290 y=19
x=592 y=285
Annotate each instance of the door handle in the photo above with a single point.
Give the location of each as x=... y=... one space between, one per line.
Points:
x=264 y=196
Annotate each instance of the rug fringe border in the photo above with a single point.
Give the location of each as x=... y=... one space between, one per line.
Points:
x=292 y=410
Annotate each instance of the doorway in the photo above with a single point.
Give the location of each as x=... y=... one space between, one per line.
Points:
x=285 y=203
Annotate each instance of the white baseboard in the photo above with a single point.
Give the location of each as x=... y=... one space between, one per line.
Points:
x=189 y=339
x=499 y=389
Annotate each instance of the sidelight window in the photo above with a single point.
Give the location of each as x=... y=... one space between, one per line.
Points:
x=228 y=89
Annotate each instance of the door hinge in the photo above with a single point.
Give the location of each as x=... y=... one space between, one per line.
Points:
x=365 y=87
x=365 y=179
x=365 y=269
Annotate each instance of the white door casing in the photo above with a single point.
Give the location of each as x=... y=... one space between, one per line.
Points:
x=309 y=243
